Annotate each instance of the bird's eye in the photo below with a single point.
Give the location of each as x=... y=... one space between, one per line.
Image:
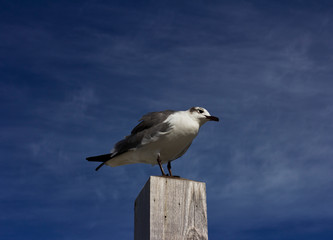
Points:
x=200 y=111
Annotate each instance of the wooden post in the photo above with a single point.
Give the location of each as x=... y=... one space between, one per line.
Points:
x=171 y=208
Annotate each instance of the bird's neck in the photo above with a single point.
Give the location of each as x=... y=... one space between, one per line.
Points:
x=183 y=123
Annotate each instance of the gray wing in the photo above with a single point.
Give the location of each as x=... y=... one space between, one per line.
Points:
x=151 y=119
x=150 y=126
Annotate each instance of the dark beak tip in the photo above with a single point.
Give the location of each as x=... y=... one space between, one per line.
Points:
x=212 y=118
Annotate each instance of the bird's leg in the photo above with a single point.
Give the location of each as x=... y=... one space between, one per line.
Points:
x=159 y=164
x=169 y=168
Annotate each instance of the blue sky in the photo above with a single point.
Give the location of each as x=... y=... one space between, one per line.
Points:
x=76 y=76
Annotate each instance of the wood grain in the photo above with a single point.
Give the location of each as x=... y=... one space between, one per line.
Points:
x=171 y=208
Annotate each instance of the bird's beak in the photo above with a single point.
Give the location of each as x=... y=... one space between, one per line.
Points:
x=212 y=118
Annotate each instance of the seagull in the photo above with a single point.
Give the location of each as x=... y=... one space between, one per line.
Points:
x=159 y=138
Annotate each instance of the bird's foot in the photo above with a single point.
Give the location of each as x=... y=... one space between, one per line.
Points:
x=172 y=176
x=175 y=176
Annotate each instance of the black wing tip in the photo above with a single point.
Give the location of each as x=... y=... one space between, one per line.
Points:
x=99 y=166
x=99 y=158
x=93 y=159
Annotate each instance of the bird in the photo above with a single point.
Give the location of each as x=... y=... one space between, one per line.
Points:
x=159 y=138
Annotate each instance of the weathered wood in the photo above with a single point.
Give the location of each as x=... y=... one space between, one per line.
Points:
x=171 y=208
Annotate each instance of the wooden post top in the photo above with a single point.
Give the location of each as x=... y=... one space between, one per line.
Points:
x=171 y=208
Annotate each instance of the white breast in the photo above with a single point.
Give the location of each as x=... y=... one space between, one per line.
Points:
x=184 y=130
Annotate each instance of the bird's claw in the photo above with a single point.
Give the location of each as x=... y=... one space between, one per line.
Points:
x=170 y=176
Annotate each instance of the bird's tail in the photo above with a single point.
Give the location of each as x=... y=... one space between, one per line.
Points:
x=100 y=158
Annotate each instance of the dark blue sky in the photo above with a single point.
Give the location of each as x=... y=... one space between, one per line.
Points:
x=76 y=77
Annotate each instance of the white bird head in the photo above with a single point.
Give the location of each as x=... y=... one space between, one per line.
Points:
x=202 y=115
